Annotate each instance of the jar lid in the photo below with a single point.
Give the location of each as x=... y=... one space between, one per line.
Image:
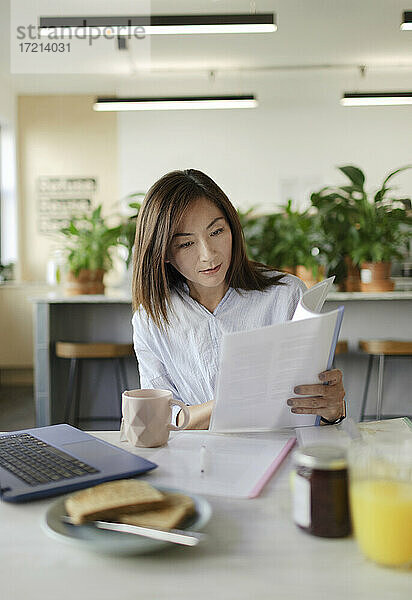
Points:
x=330 y=458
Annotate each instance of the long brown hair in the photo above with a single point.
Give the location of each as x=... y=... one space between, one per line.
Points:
x=159 y=216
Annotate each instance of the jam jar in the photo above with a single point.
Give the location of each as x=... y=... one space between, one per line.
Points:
x=320 y=491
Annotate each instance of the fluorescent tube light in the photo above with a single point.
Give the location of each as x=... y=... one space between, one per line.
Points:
x=174 y=103
x=407 y=21
x=157 y=25
x=376 y=99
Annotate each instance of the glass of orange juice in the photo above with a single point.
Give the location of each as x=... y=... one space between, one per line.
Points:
x=380 y=491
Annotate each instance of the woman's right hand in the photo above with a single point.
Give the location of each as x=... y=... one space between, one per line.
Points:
x=199 y=415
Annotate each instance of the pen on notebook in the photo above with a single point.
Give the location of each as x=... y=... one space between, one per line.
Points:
x=202 y=459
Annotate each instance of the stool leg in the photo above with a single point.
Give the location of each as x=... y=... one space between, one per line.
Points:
x=76 y=418
x=118 y=374
x=365 y=392
x=70 y=389
x=122 y=366
x=380 y=386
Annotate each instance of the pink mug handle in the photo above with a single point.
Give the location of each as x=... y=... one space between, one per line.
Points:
x=186 y=413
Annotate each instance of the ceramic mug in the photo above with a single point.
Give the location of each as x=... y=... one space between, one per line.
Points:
x=147 y=416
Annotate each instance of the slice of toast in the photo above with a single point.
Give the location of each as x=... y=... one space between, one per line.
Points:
x=106 y=500
x=175 y=510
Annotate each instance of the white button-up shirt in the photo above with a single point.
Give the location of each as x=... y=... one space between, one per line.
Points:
x=186 y=359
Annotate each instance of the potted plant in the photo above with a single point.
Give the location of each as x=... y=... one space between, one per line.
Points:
x=89 y=240
x=337 y=214
x=384 y=231
x=128 y=230
x=6 y=272
x=260 y=233
x=301 y=242
x=288 y=240
x=369 y=233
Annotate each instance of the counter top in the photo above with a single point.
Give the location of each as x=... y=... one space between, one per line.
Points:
x=396 y=295
x=120 y=296
x=111 y=297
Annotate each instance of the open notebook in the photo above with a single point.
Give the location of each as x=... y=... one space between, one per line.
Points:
x=233 y=465
x=260 y=368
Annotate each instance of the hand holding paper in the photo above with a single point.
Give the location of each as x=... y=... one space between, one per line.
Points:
x=325 y=400
x=259 y=369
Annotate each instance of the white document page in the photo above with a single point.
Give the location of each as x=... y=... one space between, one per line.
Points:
x=232 y=464
x=313 y=299
x=260 y=368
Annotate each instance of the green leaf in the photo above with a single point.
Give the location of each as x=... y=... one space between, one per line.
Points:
x=380 y=194
x=96 y=213
x=349 y=188
x=136 y=195
x=395 y=173
x=73 y=229
x=355 y=175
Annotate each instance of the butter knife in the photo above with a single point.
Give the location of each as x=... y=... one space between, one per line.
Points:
x=176 y=536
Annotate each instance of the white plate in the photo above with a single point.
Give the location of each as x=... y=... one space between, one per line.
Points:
x=112 y=542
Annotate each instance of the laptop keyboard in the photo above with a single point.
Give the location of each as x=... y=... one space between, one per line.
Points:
x=35 y=462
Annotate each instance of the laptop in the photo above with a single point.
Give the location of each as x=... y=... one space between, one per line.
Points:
x=47 y=461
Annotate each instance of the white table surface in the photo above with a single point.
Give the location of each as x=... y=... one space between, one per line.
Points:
x=254 y=551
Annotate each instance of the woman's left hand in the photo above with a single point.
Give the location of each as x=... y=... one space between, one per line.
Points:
x=323 y=400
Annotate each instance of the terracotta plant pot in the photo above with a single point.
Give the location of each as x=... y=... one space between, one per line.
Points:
x=307 y=275
x=353 y=281
x=376 y=277
x=87 y=282
x=287 y=269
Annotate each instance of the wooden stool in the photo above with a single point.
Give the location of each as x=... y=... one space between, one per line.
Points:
x=77 y=352
x=341 y=348
x=381 y=349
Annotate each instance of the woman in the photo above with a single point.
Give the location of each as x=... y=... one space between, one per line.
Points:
x=192 y=282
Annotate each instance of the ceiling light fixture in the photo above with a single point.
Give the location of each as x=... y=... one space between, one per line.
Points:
x=376 y=98
x=174 y=103
x=407 y=20
x=158 y=24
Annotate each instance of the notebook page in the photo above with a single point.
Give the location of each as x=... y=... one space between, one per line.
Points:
x=232 y=464
x=339 y=434
x=332 y=435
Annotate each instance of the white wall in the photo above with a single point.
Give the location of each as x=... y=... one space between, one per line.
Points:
x=61 y=136
x=288 y=146
x=7 y=146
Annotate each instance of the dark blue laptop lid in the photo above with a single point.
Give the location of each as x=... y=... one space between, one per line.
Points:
x=109 y=462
